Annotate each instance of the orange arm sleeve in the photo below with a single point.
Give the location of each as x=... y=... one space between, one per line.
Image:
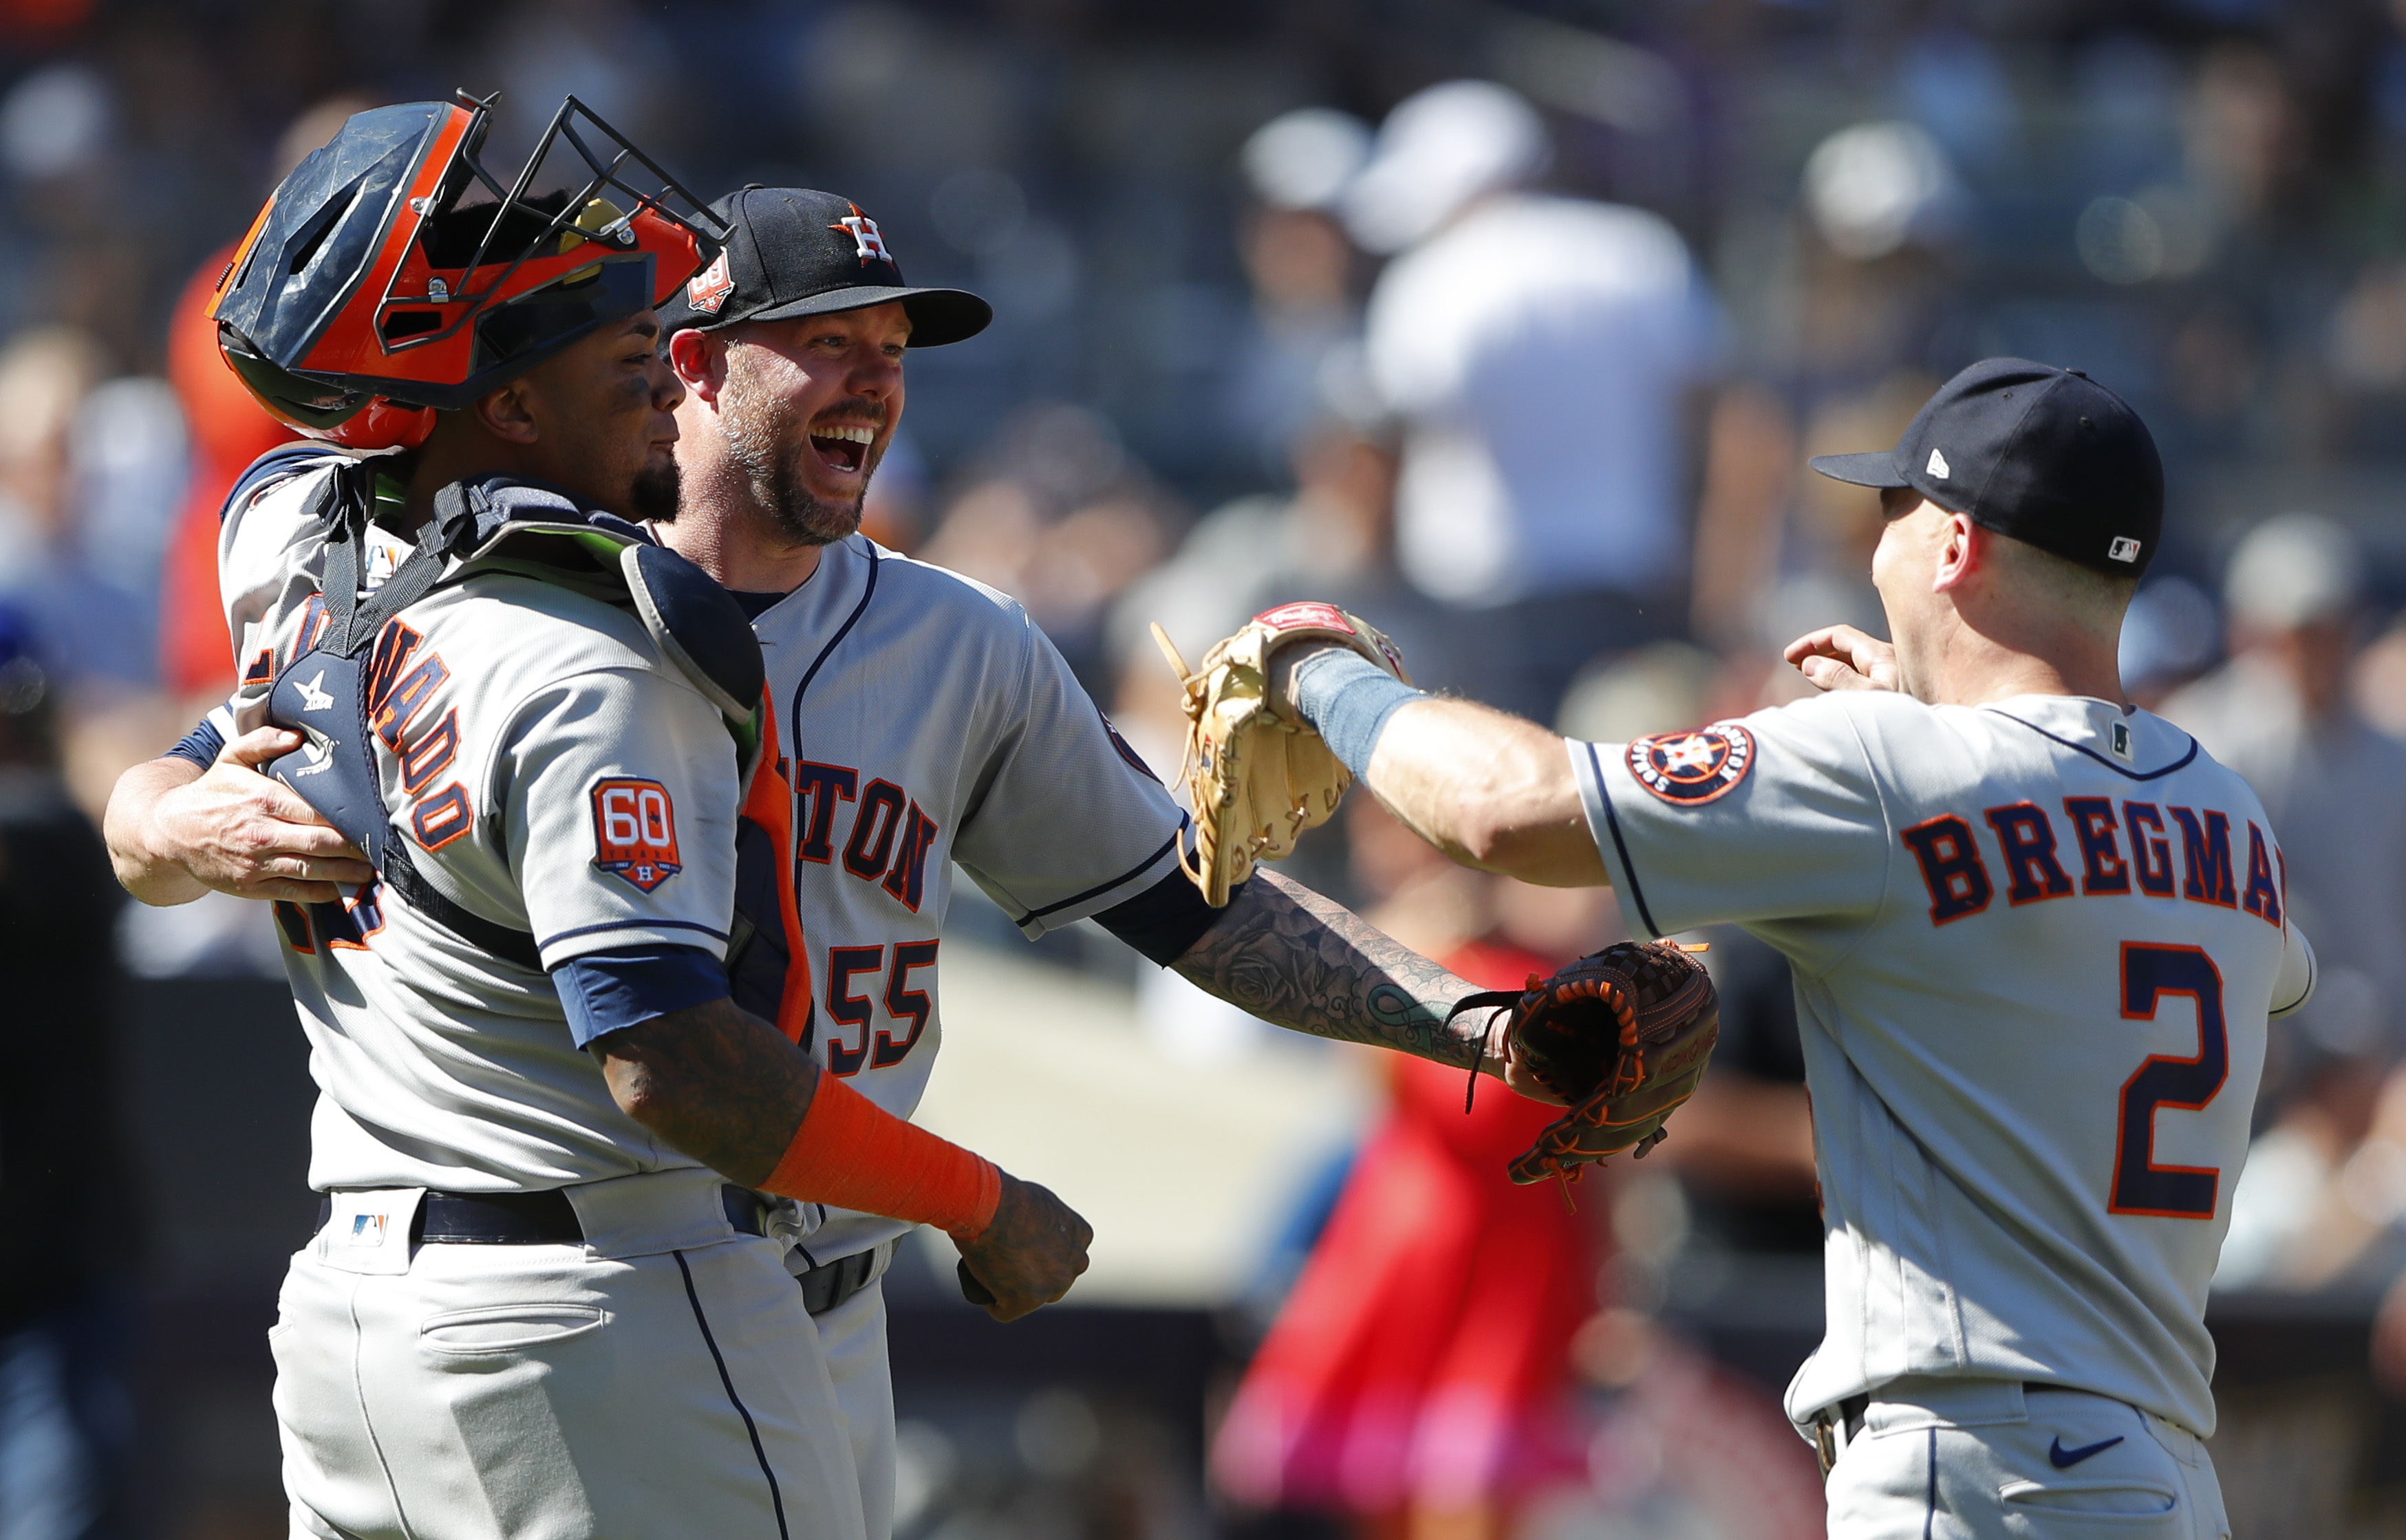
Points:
x=850 y=1152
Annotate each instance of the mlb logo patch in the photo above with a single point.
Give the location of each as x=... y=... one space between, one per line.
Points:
x=634 y=831
x=368 y=1229
x=2123 y=549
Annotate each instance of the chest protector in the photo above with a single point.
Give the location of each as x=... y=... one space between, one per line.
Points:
x=497 y=524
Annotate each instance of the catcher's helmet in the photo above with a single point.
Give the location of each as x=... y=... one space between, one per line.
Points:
x=392 y=274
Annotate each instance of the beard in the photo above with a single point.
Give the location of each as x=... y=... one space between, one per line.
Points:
x=653 y=493
x=766 y=443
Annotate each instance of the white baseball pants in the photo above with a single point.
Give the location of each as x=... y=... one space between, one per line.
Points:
x=852 y=1339
x=662 y=1380
x=1994 y=1459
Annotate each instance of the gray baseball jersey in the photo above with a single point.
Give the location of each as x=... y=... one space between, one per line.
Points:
x=2035 y=945
x=929 y=721
x=556 y=776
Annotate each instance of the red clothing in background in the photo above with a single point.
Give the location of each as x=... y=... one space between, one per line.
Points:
x=228 y=430
x=1423 y=1356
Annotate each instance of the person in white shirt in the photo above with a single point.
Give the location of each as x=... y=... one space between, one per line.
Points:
x=1545 y=353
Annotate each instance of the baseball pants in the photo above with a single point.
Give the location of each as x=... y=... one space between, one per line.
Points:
x=1996 y=1459
x=852 y=1339
x=661 y=1379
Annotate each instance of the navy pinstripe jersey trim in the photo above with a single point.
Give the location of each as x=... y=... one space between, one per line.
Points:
x=776 y=1498
x=2180 y=763
x=1930 y=1513
x=201 y=746
x=1101 y=888
x=1612 y=824
x=630 y=925
x=868 y=592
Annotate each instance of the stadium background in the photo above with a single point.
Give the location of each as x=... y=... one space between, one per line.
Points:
x=2202 y=202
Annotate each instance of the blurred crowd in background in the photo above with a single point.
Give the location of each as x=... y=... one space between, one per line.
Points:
x=1508 y=326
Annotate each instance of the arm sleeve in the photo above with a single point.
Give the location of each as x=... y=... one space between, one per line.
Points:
x=1166 y=919
x=202 y=745
x=617 y=793
x=1774 y=822
x=1067 y=821
x=605 y=992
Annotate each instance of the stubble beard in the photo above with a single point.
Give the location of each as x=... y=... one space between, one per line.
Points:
x=767 y=442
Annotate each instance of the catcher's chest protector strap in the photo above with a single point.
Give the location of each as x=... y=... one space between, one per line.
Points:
x=333 y=686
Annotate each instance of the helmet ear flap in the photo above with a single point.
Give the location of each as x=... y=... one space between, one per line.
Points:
x=354 y=418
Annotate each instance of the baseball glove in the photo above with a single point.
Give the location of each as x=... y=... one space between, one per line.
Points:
x=1623 y=1036
x=1257 y=777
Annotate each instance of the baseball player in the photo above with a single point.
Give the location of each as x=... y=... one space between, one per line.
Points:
x=2036 y=934
x=927 y=724
x=930 y=724
x=536 y=1304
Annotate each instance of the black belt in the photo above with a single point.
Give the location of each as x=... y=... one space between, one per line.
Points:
x=1848 y=1417
x=530 y=1218
x=829 y=1285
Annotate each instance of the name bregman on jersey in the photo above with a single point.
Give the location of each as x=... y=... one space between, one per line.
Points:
x=1956 y=871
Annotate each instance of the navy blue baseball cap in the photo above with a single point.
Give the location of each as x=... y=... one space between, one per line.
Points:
x=791 y=251
x=2045 y=455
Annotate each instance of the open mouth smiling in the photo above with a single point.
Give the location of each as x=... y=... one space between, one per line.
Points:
x=844 y=447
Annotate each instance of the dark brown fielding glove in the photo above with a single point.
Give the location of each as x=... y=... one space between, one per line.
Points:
x=1623 y=1036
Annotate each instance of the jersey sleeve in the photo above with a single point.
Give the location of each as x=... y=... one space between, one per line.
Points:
x=1064 y=820
x=2294 y=984
x=1773 y=822
x=270 y=548
x=616 y=791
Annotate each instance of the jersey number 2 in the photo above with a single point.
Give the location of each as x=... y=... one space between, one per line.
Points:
x=2150 y=972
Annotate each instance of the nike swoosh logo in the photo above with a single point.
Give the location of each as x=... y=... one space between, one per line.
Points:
x=2063 y=1459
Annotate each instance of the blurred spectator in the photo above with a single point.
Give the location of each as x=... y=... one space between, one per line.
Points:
x=1332 y=540
x=1545 y=352
x=2279 y=712
x=2168 y=639
x=228 y=429
x=1743 y=1144
x=65 y=1430
x=1061 y=517
x=89 y=470
x=1306 y=316
x=1391 y=1388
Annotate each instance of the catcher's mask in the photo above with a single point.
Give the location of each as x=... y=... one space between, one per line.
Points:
x=393 y=274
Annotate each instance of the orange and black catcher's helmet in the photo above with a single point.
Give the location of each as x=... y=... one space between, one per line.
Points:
x=392 y=274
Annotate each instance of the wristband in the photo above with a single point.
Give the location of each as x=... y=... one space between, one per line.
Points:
x=852 y=1154
x=1348 y=699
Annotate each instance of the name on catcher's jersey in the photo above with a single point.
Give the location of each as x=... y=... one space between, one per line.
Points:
x=930 y=724
x=554 y=775
x=2035 y=945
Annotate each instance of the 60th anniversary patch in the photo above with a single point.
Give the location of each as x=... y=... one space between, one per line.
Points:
x=1693 y=767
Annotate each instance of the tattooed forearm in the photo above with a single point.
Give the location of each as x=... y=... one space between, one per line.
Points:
x=1289 y=955
x=714 y=1081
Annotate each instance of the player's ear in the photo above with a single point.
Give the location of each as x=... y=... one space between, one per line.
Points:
x=699 y=359
x=508 y=413
x=1962 y=548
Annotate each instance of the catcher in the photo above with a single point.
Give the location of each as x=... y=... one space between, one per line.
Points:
x=1622 y=1037
x=2036 y=932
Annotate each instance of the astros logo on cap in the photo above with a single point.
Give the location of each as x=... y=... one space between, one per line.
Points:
x=1693 y=767
x=866 y=243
